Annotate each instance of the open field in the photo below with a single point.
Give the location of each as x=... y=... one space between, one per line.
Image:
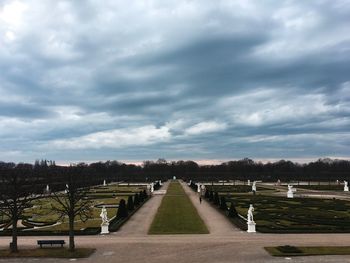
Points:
x=177 y=215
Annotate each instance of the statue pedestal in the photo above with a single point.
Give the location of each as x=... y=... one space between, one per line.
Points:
x=104 y=229
x=251 y=227
x=290 y=194
x=346 y=188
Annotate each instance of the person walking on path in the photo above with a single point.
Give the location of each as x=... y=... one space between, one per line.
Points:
x=200 y=199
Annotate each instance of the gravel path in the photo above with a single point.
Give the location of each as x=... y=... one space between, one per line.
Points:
x=140 y=222
x=217 y=223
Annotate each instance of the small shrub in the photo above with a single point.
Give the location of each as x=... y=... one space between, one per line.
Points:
x=206 y=194
x=211 y=196
x=289 y=249
x=136 y=200
x=232 y=212
x=122 y=211
x=130 y=204
x=223 y=205
x=216 y=200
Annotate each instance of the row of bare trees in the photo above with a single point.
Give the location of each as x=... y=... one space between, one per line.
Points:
x=21 y=185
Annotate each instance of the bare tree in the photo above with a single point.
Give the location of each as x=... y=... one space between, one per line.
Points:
x=73 y=202
x=18 y=187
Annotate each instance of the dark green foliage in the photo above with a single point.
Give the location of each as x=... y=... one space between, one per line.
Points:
x=136 y=199
x=122 y=210
x=211 y=196
x=145 y=195
x=223 y=205
x=206 y=195
x=216 y=200
x=141 y=197
x=130 y=204
x=289 y=249
x=232 y=211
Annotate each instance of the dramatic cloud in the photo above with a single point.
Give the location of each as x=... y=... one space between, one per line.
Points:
x=204 y=80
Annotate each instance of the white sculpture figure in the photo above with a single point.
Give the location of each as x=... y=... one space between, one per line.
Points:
x=250 y=215
x=290 y=193
x=174 y=177
x=248 y=182
x=198 y=188
x=152 y=187
x=104 y=183
x=66 y=190
x=278 y=182
x=190 y=182
x=160 y=182
x=254 y=187
x=346 y=187
x=47 y=189
x=105 y=221
x=250 y=220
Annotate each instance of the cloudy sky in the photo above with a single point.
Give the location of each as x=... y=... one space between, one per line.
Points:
x=202 y=80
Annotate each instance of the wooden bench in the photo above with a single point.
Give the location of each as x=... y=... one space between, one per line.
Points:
x=51 y=242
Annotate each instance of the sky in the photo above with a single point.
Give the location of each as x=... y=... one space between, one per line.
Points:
x=203 y=80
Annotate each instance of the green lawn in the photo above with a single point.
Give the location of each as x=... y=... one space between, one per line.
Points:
x=290 y=251
x=177 y=215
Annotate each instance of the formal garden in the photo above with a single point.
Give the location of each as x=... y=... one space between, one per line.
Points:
x=279 y=214
x=40 y=219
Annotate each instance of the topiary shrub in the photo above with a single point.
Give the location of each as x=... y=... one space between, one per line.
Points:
x=141 y=196
x=232 y=212
x=216 y=200
x=145 y=195
x=122 y=210
x=206 y=194
x=223 y=205
x=211 y=196
x=130 y=204
x=136 y=200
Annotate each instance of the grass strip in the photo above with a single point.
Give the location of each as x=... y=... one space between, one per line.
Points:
x=48 y=253
x=292 y=251
x=176 y=214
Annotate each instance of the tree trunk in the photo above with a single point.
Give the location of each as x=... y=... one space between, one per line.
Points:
x=71 y=233
x=13 y=245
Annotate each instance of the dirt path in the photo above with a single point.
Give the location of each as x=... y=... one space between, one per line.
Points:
x=217 y=223
x=140 y=222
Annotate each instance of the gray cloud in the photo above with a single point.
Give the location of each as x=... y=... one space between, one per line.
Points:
x=174 y=79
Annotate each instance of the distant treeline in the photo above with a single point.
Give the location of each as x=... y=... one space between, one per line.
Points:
x=94 y=173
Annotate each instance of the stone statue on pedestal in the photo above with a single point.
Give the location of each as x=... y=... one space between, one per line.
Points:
x=250 y=220
x=105 y=221
x=346 y=186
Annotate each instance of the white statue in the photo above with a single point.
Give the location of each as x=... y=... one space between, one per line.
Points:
x=199 y=188
x=160 y=182
x=104 y=216
x=104 y=183
x=250 y=216
x=250 y=220
x=67 y=188
x=254 y=187
x=290 y=193
x=152 y=187
x=346 y=186
x=47 y=188
x=248 y=182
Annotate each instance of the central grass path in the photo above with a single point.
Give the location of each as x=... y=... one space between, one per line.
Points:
x=177 y=215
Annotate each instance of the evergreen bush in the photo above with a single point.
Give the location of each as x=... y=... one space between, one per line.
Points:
x=216 y=200
x=122 y=210
x=223 y=205
x=130 y=204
